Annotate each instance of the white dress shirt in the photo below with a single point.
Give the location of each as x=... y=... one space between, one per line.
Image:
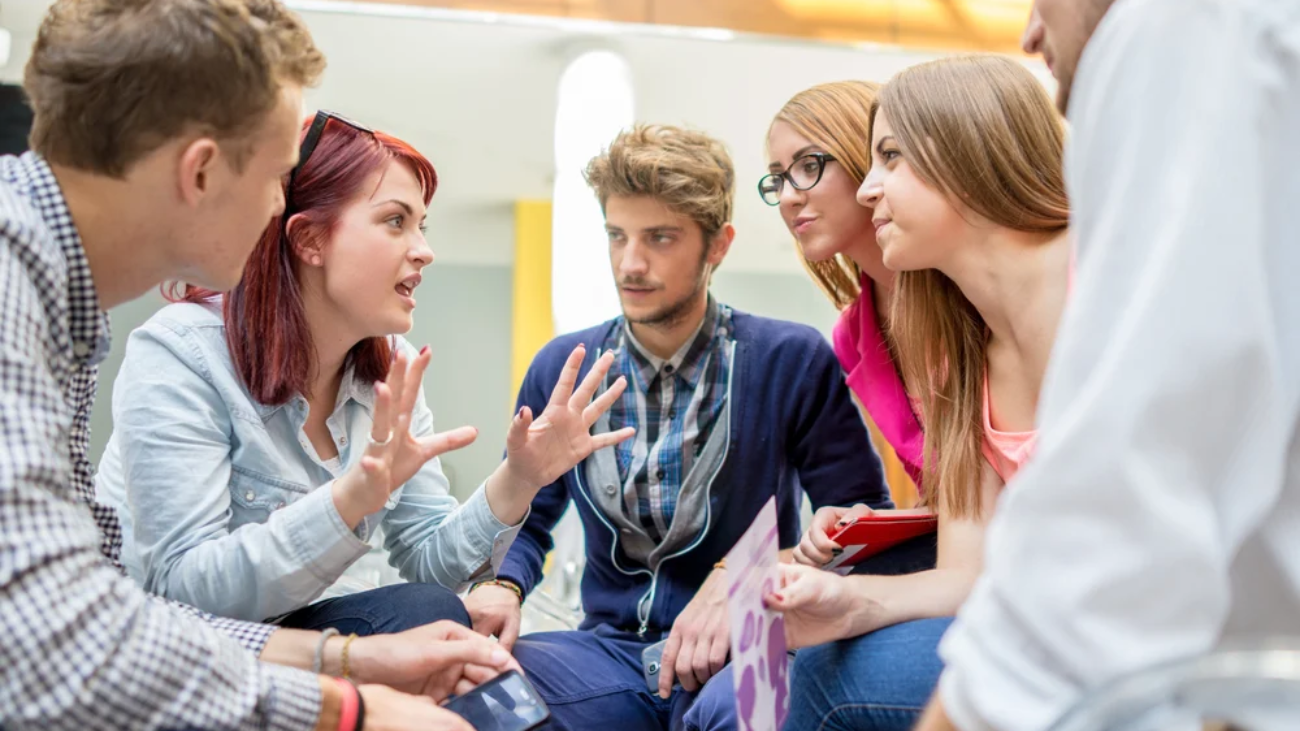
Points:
x=1161 y=514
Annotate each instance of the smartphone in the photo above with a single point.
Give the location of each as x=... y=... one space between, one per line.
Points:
x=508 y=702
x=651 y=660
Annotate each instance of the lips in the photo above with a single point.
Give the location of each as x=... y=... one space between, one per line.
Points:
x=880 y=224
x=802 y=223
x=406 y=287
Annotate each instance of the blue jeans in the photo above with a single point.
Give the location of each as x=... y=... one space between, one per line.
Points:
x=876 y=682
x=593 y=679
x=381 y=611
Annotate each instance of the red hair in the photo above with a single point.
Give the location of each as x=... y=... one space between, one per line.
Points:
x=266 y=325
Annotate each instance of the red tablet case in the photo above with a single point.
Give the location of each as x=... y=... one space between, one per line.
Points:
x=869 y=535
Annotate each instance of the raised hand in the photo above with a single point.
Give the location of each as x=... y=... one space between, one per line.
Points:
x=393 y=455
x=539 y=451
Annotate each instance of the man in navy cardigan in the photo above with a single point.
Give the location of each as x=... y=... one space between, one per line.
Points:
x=730 y=410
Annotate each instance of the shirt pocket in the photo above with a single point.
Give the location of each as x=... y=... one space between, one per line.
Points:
x=254 y=496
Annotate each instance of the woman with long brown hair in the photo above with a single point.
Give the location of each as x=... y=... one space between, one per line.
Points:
x=969 y=206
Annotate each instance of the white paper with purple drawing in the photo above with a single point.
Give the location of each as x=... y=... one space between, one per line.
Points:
x=758 y=653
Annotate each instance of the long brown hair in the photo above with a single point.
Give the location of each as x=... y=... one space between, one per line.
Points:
x=982 y=130
x=837 y=118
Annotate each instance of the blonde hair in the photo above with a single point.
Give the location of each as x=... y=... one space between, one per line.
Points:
x=687 y=171
x=984 y=131
x=837 y=118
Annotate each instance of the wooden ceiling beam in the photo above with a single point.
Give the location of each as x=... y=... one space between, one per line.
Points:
x=991 y=25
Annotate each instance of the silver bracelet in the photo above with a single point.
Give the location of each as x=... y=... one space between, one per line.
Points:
x=320 y=648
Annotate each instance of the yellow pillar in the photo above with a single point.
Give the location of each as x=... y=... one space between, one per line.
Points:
x=532 y=323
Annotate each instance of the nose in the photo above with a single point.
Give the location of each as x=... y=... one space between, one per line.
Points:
x=1031 y=42
x=631 y=259
x=421 y=254
x=872 y=188
x=792 y=195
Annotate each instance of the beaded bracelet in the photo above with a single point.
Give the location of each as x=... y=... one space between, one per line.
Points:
x=320 y=649
x=512 y=586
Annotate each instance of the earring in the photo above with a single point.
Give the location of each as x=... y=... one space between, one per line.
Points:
x=315 y=261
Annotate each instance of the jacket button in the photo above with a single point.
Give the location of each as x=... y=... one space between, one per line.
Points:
x=249 y=496
x=279 y=505
x=610 y=489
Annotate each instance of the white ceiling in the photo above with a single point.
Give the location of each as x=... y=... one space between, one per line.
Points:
x=476 y=93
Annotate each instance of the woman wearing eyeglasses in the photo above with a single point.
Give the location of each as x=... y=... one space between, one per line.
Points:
x=965 y=195
x=267 y=440
x=819 y=154
x=819 y=151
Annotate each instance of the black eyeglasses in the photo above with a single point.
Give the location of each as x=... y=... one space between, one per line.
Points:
x=804 y=173
x=308 y=146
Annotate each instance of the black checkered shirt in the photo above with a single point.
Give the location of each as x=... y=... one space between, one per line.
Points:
x=81 y=646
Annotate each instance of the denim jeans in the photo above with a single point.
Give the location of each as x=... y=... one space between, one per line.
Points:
x=593 y=679
x=381 y=611
x=879 y=681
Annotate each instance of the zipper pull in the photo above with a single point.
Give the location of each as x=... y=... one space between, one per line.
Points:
x=641 y=632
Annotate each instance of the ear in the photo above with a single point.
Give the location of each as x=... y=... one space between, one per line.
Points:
x=721 y=244
x=306 y=248
x=199 y=161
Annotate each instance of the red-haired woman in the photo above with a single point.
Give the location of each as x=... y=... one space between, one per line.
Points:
x=266 y=440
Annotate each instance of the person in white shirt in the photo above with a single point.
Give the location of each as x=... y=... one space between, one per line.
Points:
x=1161 y=514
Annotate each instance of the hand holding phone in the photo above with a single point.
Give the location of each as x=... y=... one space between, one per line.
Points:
x=506 y=703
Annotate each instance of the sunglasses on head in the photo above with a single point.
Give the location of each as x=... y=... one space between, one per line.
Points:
x=309 y=143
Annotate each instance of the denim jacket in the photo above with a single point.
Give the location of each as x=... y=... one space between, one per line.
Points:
x=225 y=504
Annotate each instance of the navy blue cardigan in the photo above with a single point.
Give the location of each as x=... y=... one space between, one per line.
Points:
x=793 y=426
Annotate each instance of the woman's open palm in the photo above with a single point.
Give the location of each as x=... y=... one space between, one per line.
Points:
x=539 y=451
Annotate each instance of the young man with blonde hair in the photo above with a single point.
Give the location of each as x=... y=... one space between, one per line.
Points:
x=730 y=410
x=163 y=132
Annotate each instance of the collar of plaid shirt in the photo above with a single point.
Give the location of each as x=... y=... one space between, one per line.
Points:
x=687 y=362
x=87 y=324
x=79 y=321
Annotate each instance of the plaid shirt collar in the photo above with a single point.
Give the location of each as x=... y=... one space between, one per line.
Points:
x=88 y=324
x=687 y=363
